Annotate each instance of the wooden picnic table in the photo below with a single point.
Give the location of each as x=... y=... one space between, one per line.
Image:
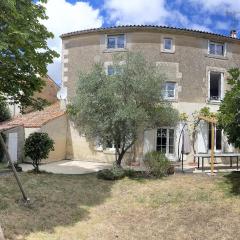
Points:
x=202 y=156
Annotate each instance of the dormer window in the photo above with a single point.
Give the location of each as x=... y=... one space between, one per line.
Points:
x=216 y=48
x=116 y=41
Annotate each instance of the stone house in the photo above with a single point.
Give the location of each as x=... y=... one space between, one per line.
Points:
x=195 y=63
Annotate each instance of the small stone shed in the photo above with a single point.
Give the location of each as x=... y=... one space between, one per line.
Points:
x=14 y=140
x=51 y=120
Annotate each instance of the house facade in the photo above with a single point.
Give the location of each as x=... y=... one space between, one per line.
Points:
x=195 y=64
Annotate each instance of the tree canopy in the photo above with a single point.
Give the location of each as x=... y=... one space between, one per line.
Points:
x=114 y=108
x=229 y=111
x=38 y=146
x=4 y=111
x=24 y=53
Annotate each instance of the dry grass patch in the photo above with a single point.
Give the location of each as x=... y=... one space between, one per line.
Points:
x=83 y=207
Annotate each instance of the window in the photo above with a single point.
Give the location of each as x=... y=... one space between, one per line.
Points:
x=216 y=48
x=115 y=41
x=167 y=43
x=217 y=138
x=165 y=140
x=215 y=86
x=170 y=90
x=110 y=70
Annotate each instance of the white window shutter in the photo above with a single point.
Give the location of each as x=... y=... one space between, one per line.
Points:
x=149 y=141
x=202 y=137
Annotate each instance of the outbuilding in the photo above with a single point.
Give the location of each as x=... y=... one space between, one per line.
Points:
x=51 y=120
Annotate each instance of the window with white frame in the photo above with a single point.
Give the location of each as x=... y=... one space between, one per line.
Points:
x=165 y=140
x=169 y=91
x=215 y=91
x=217 y=138
x=168 y=44
x=115 y=41
x=215 y=48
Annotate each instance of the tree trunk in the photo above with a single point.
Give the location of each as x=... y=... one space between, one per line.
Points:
x=1 y=234
x=119 y=159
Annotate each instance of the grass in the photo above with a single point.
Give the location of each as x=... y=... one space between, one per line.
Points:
x=3 y=166
x=84 y=207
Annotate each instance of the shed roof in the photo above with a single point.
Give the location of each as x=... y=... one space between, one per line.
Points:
x=6 y=126
x=37 y=119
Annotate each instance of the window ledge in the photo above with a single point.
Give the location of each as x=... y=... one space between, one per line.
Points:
x=216 y=56
x=171 y=100
x=110 y=50
x=168 y=51
x=213 y=102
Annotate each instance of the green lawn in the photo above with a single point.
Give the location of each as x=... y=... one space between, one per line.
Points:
x=3 y=166
x=83 y=207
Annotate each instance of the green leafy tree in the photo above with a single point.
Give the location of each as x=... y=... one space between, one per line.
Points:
x=4 y=111
x=229 y=111
x=38 y=146
x=24 y=53
x=115 y=109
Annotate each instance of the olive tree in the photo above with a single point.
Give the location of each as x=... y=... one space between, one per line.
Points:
x=114 y=108
x=229 y=111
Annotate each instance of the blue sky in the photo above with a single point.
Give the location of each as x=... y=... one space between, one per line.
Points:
x=71 y=15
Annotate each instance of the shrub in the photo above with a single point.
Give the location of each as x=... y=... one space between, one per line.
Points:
x=37 y=147
x=130 y=173
x=157 y=164
x=115 y=173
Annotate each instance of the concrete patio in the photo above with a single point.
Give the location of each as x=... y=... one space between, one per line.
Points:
x=69 y=167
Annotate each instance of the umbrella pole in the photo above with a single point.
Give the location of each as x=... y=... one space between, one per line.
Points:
x=182 y=150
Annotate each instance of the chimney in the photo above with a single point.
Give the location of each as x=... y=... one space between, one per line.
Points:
x=233 y=34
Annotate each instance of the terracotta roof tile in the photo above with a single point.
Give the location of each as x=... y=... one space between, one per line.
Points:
x=38 y=118
x=6 y=126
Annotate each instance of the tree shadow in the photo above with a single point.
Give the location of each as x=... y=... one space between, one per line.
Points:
x=56 y=200
x=233 y=179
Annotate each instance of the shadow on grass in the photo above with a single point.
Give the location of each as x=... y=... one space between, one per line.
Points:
x=56 y=200
x=233 y=180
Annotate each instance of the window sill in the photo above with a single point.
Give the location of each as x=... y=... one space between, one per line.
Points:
x=216 y=56
x=214 y=102
x=110 y=50
x=168 y=51
x=171 y=99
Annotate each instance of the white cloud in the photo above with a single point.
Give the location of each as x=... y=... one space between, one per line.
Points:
x=66 y=17
x=218 y=6
x=136 y=11
x=148 y=12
